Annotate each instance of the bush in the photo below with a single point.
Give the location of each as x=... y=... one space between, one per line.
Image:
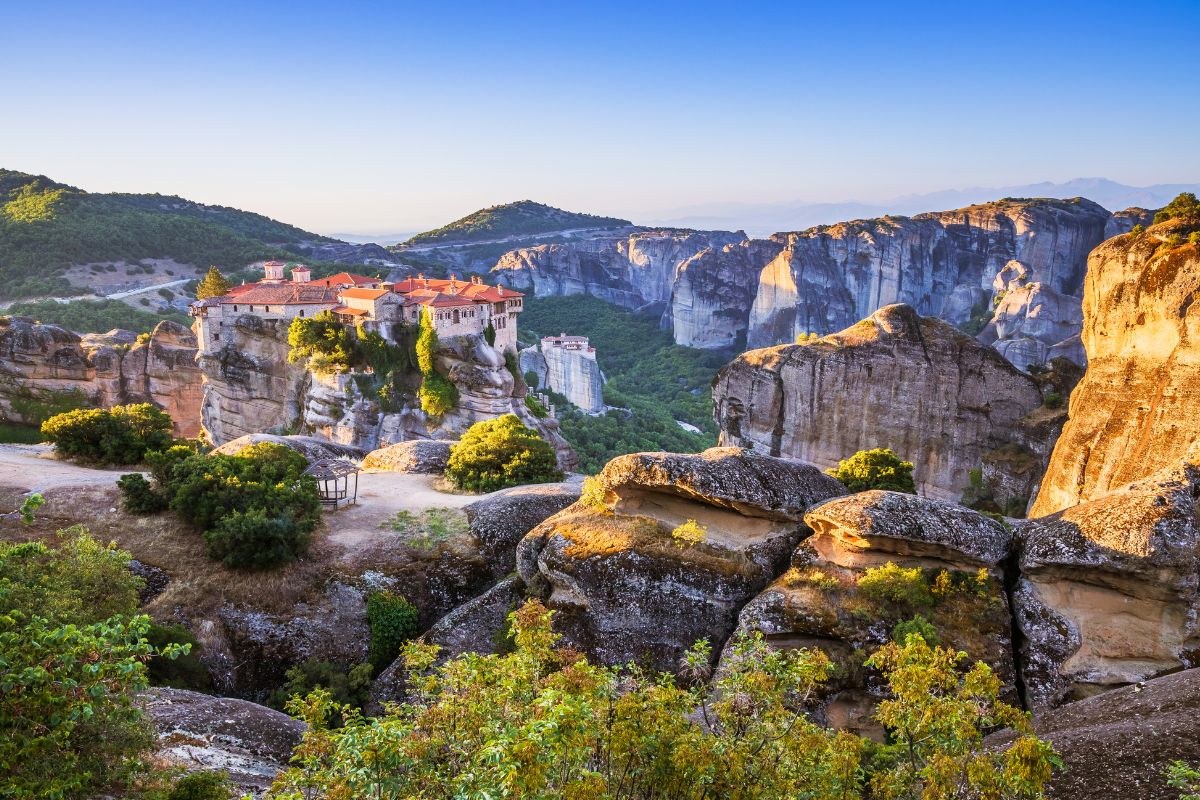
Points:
x=437 y=394
x=594 y=495
x=321 y=340
x=499 y=453
x=531 y=379
x=875 y=469
x=348 y=687
x=689 y=533
x=1184 y=206
x=535 y=407
x=1053 y=400
x=184 y=672
x=254 y=540
x=1137 y=230
x=392 y=621
x=896 y=586
x=205 y=785
x=917 y=625
x=138 y=496
x=489 y=334
x=118 y=435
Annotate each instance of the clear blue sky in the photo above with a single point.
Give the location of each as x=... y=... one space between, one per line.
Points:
x=384 y=116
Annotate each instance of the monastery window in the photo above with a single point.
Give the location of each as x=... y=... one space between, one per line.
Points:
x=456 y=316
x=302 y=312
x=235 y=308
x=216 y=337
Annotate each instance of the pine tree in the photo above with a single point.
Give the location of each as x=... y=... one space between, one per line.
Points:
x=213 y=285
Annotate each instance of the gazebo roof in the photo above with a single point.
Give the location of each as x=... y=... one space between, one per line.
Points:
x=324 y=469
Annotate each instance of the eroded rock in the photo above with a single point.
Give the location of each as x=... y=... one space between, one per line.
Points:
x=419 y=456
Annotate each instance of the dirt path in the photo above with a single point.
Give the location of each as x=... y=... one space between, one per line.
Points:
x=33 y=468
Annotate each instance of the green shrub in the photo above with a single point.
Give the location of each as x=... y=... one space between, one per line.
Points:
x=323 y=341
x=437 y=394
x=917 y=625
x=594 y=495
x=499 y=453
x=1137 y=230
x=430 y=527
x=138 y=496
x=1184 y=206
x=1053 y=400
x=489 y=334
x=184 y=672
x=204 y=785
x=875 y=469
x=214 y=284
x=255 y=540
x=896 y=586
x=689 y=533
x=531 y=379
x=1175 y=240
x=118 y=435
x=348 y=687
x=535 y=407
x=392 y=621
x=1183 y=776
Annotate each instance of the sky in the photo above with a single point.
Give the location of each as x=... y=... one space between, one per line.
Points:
x=383 y=117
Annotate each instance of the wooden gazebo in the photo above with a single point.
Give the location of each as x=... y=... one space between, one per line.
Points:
x=333 y=480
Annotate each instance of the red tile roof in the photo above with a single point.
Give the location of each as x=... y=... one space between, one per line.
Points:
x=281 y=294
x=354 y=312
x=363 y=294
x=345 y=279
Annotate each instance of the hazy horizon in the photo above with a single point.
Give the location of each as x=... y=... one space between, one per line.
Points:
x=373 y=120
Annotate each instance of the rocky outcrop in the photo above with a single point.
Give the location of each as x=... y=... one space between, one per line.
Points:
x=943 y=264
x=1109 y=592
x=499 y=521
x=571 y=372
x=1030 y=321
x=1125 y=221
x=251 y=743
x=310 y=447
x=914 y=384
x=250 y=388
x=624 y=588
x=819 y=603
x=1129 y=736
x=43 y=366
x=1135 y=411
x=419 y=456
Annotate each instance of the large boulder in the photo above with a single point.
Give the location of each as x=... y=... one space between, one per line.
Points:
x=420 y=456
x=1119 y=744
x=1135 y=411
x=841 y=596
x=624 y=588
x=934 y=395
x=310 y=447
x=252 y=743
x=1108 y=593
x=500 y=520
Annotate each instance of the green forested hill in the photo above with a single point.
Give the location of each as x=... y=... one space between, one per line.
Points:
x=46 y=226
x=512 y=219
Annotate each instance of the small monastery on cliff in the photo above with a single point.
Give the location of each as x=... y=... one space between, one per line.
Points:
x=456 y=307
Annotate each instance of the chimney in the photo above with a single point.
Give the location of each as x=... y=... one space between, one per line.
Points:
x=301 y=274
x=273 y=270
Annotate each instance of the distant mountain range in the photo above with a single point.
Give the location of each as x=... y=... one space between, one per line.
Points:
x=522 y=218
x=762 y=219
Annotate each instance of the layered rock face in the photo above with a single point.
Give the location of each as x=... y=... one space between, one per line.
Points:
x=820 y=603
x=943 y=264
x=41 y=362
x=1109 y=591
x=1135 y=411
x=624 y=588
x=250 y=387
x=914 y=384
x=575 y=374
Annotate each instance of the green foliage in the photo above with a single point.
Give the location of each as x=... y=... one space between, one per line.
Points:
x=427 y=344
x=690 y=533
x=256 y=509
x=184 y=672
x=1137 y=230
x=1184 y=206
x=213 y=284
x=95 y=316
x=35 y=406
x=594 y=495
x=498 y=453
x=918 y=626
x=323 y=341
x=875 y=469
x=17 y=433
x=808 y=338
x=430 y=527
x=897 y=586
x=256 y=539
x=1183 y=776
x=521 y=218
x=392 y=621
x=138 y=496
x=346 y=686
x=46 y=227
x=1053 y=400
x=937 y=716
x=117 y=435
x=535 y=407
x=531 y=379
x=437 y=395
x=29 y=507
x=204 y=785
x=72 y=655
x=1175 y=240
x=540 y=723
x=489 y=333
x=653 y=379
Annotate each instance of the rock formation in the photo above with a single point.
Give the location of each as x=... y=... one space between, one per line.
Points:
x=623 y=588
x=568 y=368
x=818 y=602
x=1136 y=409
x=42 y=365
x=250 y=387
x=420 y=456
x=310 y=447
x=914 y=384
x=1109 y=592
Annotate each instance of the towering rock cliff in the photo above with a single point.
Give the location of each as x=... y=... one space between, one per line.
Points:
x=250 y=387
x=1136 y=409
x=718 y=289
x=43 y=365
x=568 y=368
x=915 y=384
